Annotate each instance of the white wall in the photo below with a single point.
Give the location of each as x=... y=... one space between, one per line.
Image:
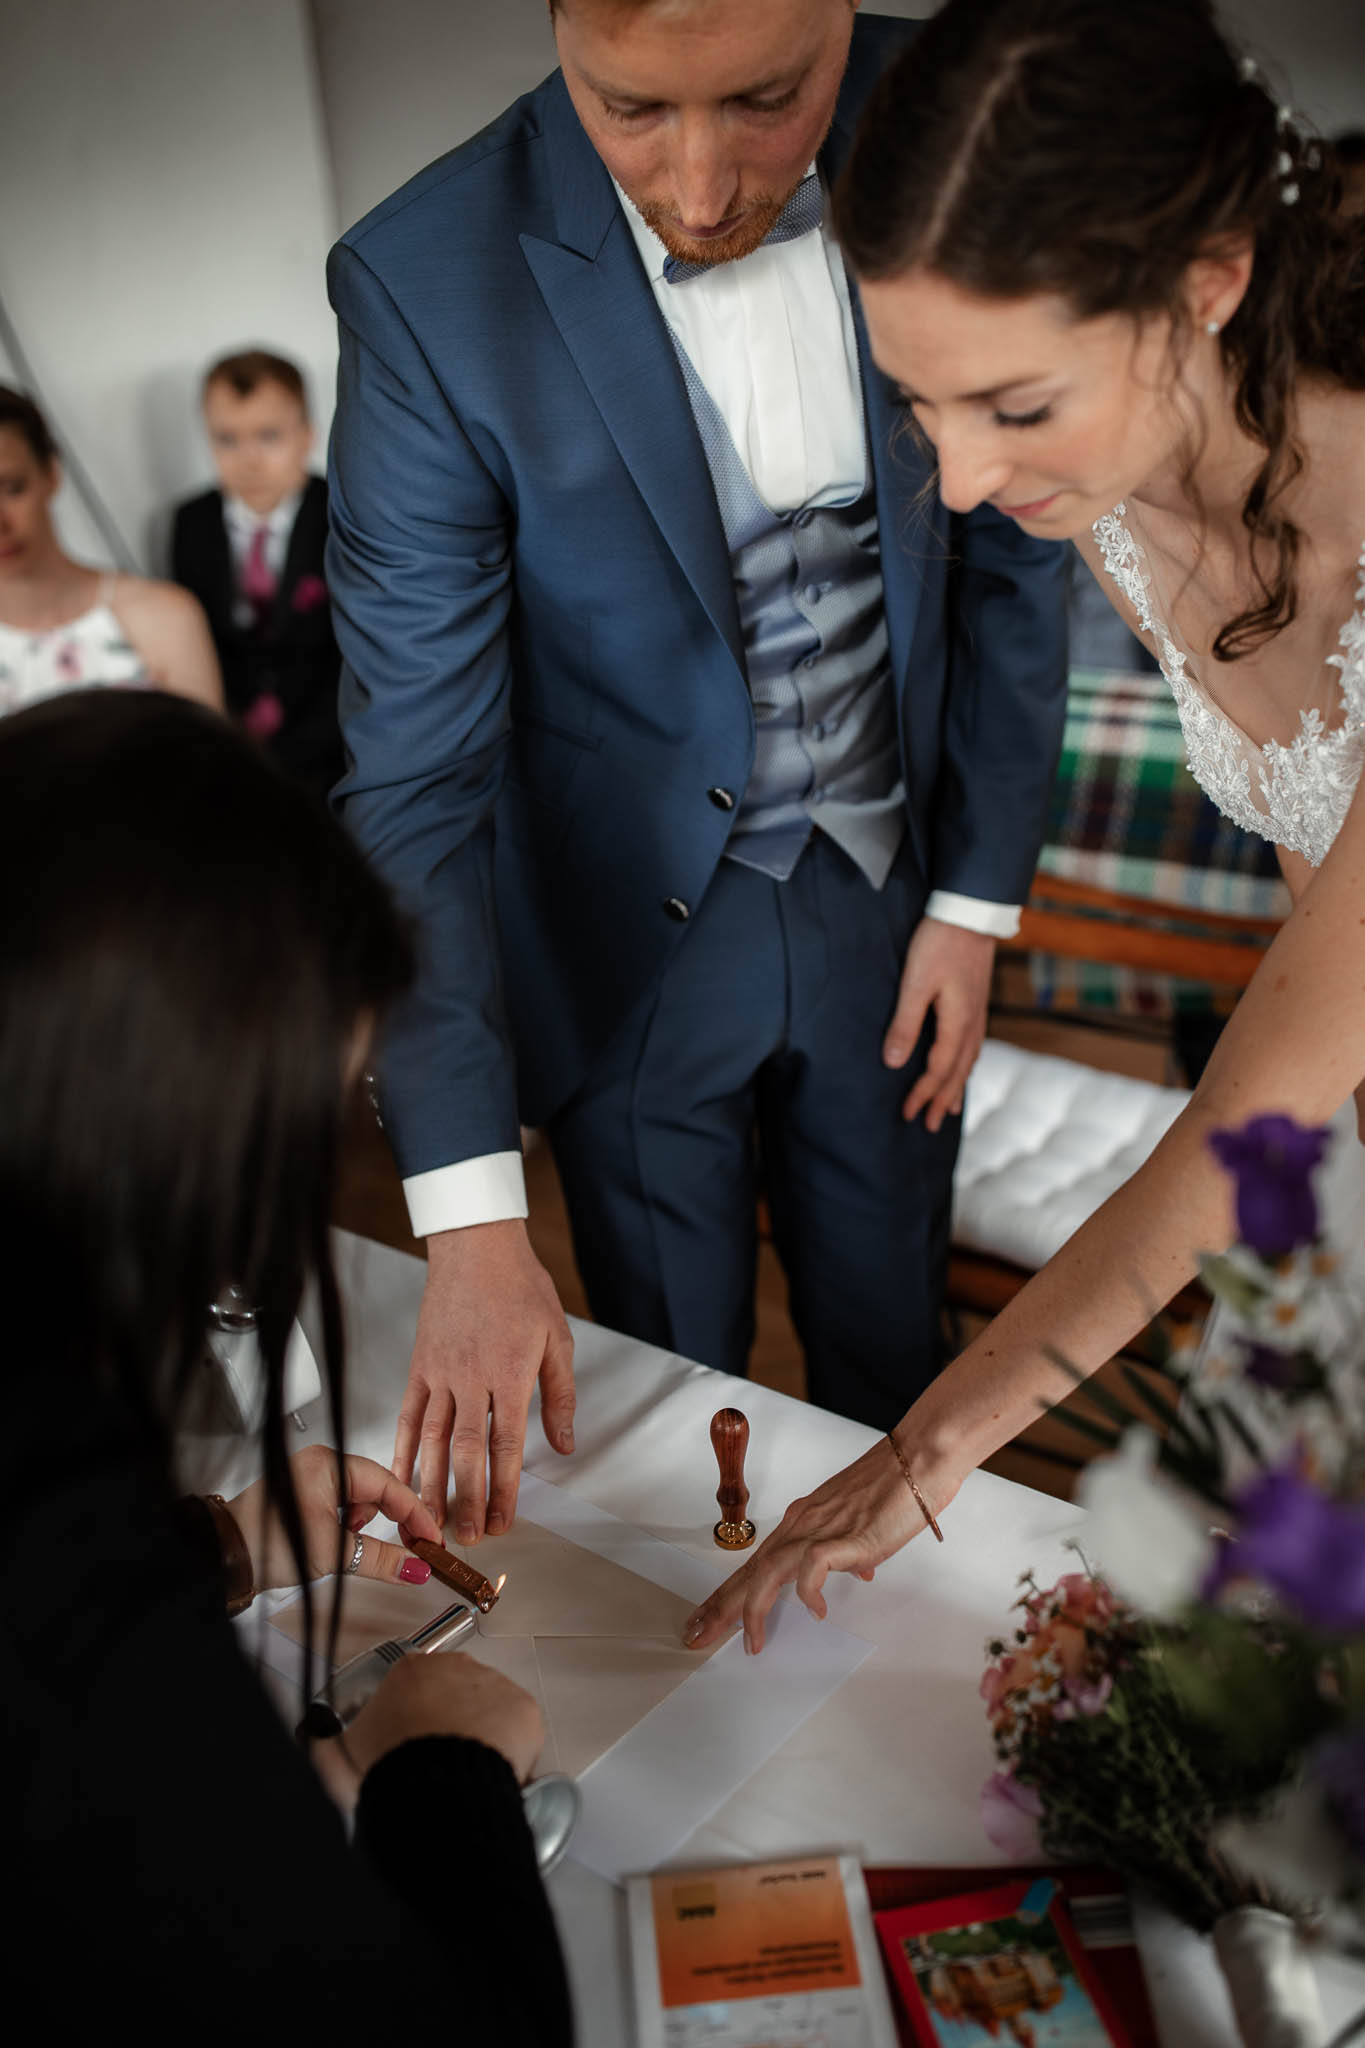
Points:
x=1318 y=45
x=164 y=196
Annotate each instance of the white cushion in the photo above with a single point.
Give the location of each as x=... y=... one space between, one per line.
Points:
x=1044 y=1142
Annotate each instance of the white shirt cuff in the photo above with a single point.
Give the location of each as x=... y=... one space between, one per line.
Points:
x=973 y=913
x=487 y=1190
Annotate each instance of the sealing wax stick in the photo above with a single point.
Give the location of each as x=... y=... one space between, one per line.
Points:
x=452 y=1571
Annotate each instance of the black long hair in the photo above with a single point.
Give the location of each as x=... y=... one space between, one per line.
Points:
x=186 y=949
x=1076 y=148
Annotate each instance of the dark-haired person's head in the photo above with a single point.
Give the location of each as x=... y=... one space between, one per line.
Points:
x=192 y=961
x=259 y=427
x=30 y=475
x=706 y=112
x=1077 y=228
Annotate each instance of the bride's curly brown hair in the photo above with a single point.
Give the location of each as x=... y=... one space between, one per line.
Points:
x=1075 y=148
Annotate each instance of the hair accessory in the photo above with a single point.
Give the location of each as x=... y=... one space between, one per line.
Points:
x=356 y=1555
x=920 y=1502
x=1289 y=194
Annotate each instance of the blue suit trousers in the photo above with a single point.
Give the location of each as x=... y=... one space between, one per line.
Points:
x=755 y=1065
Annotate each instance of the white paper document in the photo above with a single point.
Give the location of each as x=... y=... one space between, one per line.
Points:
x=658 y=1736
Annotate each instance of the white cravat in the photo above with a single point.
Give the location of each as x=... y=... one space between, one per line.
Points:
x=772 y=339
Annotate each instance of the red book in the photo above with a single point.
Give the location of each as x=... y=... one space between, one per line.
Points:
x=1098 y=1949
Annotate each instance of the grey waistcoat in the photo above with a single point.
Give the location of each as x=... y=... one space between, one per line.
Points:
x=809 y=587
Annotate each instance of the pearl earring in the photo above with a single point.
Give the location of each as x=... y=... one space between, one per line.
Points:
x=1213 y=326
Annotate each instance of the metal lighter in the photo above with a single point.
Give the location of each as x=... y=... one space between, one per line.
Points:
x=335 y=1705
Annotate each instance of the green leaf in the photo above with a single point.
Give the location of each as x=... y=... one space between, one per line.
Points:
x=1227 y=1283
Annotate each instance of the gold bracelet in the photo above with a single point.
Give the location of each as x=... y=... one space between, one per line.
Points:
x=920 y=1502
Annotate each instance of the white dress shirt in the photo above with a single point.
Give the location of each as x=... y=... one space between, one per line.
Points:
x=773 y=341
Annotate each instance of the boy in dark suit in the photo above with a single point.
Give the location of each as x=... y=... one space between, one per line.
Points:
x=252 y=553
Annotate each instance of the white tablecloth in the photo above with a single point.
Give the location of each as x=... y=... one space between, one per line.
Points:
x=892 y=1765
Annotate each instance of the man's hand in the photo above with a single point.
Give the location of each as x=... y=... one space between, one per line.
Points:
x=947 y=967
x=490 y=1326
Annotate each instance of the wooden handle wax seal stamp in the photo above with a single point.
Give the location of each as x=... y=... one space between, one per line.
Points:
x=729 y=1441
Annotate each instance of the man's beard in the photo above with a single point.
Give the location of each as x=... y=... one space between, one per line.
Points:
x=753 y=229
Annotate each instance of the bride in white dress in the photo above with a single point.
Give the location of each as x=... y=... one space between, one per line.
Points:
x=1108 y=275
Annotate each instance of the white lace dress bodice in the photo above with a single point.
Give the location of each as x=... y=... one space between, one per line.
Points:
x=1297 y=794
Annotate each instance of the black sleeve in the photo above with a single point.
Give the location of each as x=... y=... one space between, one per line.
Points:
x=182 y=564
x=176 y=1855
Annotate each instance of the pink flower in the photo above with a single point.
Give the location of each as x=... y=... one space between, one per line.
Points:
x=1010 y=1812
x=309 y=593
x=1087 y=1602
x=263 y=716
x=1090 y=1698
x=995 y=1683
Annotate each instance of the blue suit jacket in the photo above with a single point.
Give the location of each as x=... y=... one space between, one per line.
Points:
x=544 y=673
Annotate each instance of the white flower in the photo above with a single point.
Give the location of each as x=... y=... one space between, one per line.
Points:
x=1153 y=1549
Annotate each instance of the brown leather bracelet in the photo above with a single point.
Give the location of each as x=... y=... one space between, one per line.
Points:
x=920 y=1502
x=237 y=1575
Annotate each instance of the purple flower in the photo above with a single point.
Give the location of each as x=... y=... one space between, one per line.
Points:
x=1280 y=1372
x=1272 y=1160
x=1266 y=1367
x=1010 y=1813
x=1307 y=1547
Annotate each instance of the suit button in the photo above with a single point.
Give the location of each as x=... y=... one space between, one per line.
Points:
x=677 y=909
x=722 y=799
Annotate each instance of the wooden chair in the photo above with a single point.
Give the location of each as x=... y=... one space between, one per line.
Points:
x=1080 y=921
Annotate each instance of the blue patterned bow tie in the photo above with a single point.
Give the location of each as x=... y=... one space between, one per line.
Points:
x=802 y=212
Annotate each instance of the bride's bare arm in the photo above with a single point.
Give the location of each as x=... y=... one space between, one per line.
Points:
x=1295 y=1044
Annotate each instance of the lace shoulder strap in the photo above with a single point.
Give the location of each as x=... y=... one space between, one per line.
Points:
x=1351 y=660
x=1123 y=560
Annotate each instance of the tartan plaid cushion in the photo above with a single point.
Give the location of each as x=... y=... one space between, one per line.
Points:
x=1126 y=814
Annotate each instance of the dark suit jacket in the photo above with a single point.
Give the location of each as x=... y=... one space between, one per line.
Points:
x=544 y=671
x=296 y=655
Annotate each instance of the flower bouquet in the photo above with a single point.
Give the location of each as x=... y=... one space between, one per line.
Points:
x=1190 y=1708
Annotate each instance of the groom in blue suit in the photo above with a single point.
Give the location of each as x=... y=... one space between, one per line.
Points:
x=709 y=752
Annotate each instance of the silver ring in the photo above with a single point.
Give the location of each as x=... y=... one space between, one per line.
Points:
x=356 y=1555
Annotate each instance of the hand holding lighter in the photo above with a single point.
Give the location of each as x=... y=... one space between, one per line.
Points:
x=551 y=1804
x=337 y=1703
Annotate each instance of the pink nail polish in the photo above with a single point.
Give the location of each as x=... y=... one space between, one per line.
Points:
x=415 y=1572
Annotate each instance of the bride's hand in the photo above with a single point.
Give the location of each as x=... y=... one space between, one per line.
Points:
x=852 y=1523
